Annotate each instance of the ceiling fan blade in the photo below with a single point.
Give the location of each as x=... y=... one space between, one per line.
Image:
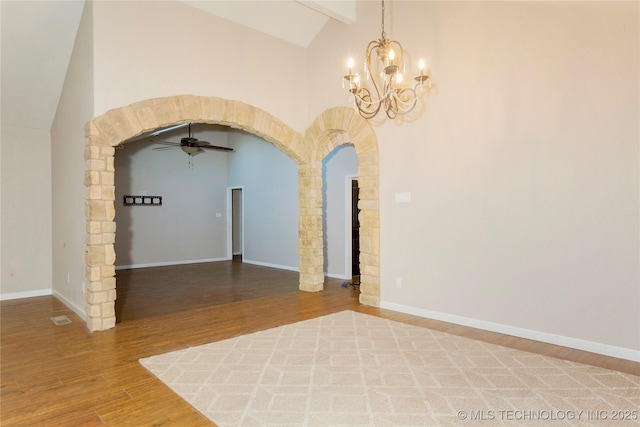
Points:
x=166 y=143
x=216 y=147
x=158 y=132
x=174 y=147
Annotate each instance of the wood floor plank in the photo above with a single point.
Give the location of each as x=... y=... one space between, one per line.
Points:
x=63 y=375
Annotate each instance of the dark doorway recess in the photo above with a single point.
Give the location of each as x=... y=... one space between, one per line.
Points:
x=355 y=233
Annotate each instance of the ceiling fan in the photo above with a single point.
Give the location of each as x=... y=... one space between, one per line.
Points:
x=189 y=144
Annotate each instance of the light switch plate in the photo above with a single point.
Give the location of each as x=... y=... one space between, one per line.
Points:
x=404 y=197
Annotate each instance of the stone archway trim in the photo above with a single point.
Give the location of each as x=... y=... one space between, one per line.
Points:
x=334 y=127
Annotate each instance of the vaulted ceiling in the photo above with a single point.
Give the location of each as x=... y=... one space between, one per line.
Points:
x=37 y=39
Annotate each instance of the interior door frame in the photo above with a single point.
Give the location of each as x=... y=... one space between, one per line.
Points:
x=348 y=212
x=230 y=220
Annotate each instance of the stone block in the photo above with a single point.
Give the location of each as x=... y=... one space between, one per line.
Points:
x=368 y=204
x=110 y=254
x=192 y=108
x=124 y=122
x=168 y=110
x=98 y=297
x=368 y=170
x=369 y=270
x=107 y=125
x=306 y=243
x=240 y=114
x=93 y=273
x=309 y=234
x=108 y=323
x=368 y=158
x=107 y=178
x=93 y=239
x=310 y=202
x=95 y=165
x=312 y=211
x=107 y=238
x=92 y=178
x=311 y=269
x=206 y=109
x=317 y=287
x=108 y=283
x=97 y=210
x=146 y=116
x=374 y=280
x=94 y=192
x=108 y=192
x=108 y=227
x=107 y=151
x=224 y=110
x=92 y=152
x=93 y=311
x=108 y=271
x=108 y=309
x=368 y=192
x=370 y=300
x=94 y=324
x=96 y=255
x=94 y=286
x=110 y=213
x=311 y=222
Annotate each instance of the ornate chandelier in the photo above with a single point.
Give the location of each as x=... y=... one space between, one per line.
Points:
x=389 y=93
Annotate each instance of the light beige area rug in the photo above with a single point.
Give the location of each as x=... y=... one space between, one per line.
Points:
x=352 y=369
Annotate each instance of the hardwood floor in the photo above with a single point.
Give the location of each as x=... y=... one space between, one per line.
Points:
x=147 y=292
x=65 y=376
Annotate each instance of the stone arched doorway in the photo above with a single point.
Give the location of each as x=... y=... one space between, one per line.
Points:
x=334 y=127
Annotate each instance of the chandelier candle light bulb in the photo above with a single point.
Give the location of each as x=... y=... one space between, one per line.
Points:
x=385 y=74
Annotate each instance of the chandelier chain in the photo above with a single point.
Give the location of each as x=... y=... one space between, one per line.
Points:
x=383 y=33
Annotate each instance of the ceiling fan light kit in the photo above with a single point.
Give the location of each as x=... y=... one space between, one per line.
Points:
x=389 y=93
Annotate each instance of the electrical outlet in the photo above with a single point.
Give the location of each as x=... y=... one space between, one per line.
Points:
x=398 y=282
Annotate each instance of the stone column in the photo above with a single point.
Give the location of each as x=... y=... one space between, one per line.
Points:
x=310 y=243
x=100 y=291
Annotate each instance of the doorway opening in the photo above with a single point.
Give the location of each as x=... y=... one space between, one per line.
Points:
x=235 y=223
x=355 y=233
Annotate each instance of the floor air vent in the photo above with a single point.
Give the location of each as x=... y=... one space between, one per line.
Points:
x=60 y=320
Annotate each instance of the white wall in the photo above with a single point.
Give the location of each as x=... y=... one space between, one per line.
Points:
x=150 y=49
x=67 y=170
x=185 y=228
x=340 y=164
x=522 y=168
x=26 y=212
x=269 y=181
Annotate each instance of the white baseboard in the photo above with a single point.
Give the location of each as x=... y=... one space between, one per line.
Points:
x=338 y=276
x=266 y=264
x=27 y=294
x=167 y=263
x=80 y=311
x=578 y=344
